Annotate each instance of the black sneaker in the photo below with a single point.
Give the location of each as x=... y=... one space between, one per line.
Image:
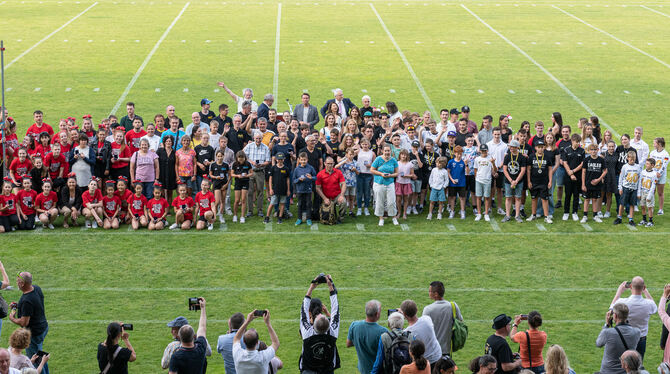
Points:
x=522 y=213
x=558 y=204
x=617 y=221
x=631 y=222
x=419 y=208
x=352 y=215
x=279 y=220
x=266 y=220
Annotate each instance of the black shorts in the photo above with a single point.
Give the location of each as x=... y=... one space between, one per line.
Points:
x=592 y=194
x=202 y=218
x=470 y=183
x=9 y=221
x=218 y=184
x=539 y=191
x=499 y=182
x=460 y=191
x=241 y=184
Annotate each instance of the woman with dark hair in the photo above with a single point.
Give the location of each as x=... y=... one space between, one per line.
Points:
x=595 y=122
x=531 y=342
x=393 y=112
x=485 y=364
x=505 y=131
x=556 y=123
x=167 y=174
x=419 y=363
x=112 y=358
x=445 y=365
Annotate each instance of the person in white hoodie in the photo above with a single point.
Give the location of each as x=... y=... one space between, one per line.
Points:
x=438 y=181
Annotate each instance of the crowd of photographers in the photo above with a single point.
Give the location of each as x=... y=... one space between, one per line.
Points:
x=412 y=344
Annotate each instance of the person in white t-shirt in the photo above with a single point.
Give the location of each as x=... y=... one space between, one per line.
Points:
x=250 y=360
x=422 y=327
x=153 y=139
x=247 y=95
x=484 y=169
x=661 y=158
x=641 y=147
x=639 y=308
x=497 y=151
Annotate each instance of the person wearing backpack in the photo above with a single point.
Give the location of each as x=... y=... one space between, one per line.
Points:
x=441 y=312
x=393 y=349
x=364 y=335
x=531 y=342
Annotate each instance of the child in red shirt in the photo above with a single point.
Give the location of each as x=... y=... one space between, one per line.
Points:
x=55 y=162
x=8 y=217
x=206 y=206
x=183 y=208
x=133 y=136
x=19 y=167
x=157 y=208
x=92 y=204
x=123 y=193
x=26 y=207
x=137 y=204
x=111 y=206
x=45 y=204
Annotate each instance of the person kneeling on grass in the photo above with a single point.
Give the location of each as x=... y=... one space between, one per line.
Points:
x=137 y=206
x=438 y=181
x=92 y=204
x=539 y=180
x=303 y=177
x=205 y=205
x=158 y=209
x=111 y=207
x=330 y=186
x=645 y=193
x=45 y=204
x=593 y=173
x=279 y=184
x=629 y=182
x=183 y=208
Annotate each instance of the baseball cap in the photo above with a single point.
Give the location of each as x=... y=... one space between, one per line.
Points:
x=410 y=128
x=178 y=322
x=279 y=156
x=367 y=114
x=454 y=111
x=501 y=321
x=415 y=143
x=205 y=101
x=514 y=143
x=465 y=109
x=451 y=133
x=483 y=147
x=539 y=142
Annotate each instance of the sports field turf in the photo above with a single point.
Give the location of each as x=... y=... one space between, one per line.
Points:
x=526 y=58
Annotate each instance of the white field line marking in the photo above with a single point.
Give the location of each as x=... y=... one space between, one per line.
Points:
x=547 y=72
x=407 y=64
x=185 y=90
x=37 y=89
x=626 y=92
x=452 y=91
x=49 y=36
x=315 y=227
x=360 y=227
x=451 y=227
x=656 y=11
x=223 y=227
x=657 y=92
x=615 y=38
x=404 y=227
x=268 y=227
x=540 y=227
x=8 y=89
x=631 y=228
x=587 y=227
x=494 y=225
x=275 y=79
x=158 y=89
x=146 y=60
x=97 y=89
x=2 y=2
x=538 y=91
x=480 y=91
x=302 y=288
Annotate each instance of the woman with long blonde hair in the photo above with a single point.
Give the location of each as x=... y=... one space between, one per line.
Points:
x=556 y=361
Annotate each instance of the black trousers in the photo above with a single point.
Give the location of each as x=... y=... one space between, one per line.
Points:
x=304 y=204
x=572 y=189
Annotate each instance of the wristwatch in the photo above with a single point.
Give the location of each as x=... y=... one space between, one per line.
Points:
x=514 y=325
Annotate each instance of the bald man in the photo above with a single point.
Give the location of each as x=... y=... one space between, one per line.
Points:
x=29 y=313
x=197 y=123
x=250 y=360
x=640 y=308
x=4 y=363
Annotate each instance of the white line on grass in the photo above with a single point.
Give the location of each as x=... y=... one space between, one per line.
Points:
x=223 y=227
x=275 y=79
x=360 y=227
x=657 y=92
x=8 y=89
x=301 y=288
x=655 y=11
x=547 y=72
x=538 y=91
x=404 y=227
x=540 y=227
x=451 y=227
x=37 y=89
x=407 y=64
x=631 y=228
x=587 y=227
x=158 y=89
x=615 y=38
x=494 y=225
x=315 y=227
x=49 y=36
x=626 y=92
x=146 y=60
x=268 y=227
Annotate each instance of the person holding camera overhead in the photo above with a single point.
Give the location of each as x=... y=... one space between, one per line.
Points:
x=531 y=342
x=250 y=360
x=641 y=307
x=112 y=358
x=617 y=336
x=190 y=357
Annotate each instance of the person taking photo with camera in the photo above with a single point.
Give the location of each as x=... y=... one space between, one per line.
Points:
x=617 y=336
x=190 y=357
x=112 y=358
x=250 y=360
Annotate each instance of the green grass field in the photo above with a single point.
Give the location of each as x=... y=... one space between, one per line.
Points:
x=70 y=58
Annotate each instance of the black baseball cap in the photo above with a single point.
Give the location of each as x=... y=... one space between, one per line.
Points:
x=454 y=111
x=465 y=109
x=483 y=147
x=539 y=142
x=501 y=321
x=415 y=143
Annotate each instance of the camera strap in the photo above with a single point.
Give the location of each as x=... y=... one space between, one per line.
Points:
x=530 y=359
x=621 y=336
x=109 y=364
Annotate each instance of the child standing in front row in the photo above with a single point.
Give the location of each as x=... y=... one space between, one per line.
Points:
x=457 y=169
x=279 y=186
x=593 y=173
x=661 y=158
x=645 y=193
x=303 y=177
x=438 y=181
x=629 y=181
x=348 y=168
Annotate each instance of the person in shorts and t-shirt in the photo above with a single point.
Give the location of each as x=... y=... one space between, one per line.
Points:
x=593 y=173
x=539 y=180
x=484 y=170
x=514 y=170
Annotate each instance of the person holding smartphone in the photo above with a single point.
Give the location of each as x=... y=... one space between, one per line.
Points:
x=385 y=170
x=531 y=342
x=112 y=358
x=250 y=359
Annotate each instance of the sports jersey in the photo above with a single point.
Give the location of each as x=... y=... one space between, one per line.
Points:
x=594 y=168
x=185 y=205
x=469 y=156
x=457 y=172
x=27 y=201
x=573 y=157
x=204 y=201
x=648 y=181
x=216 y=170
x=118 y=153
x=87 y=198
x=111 y=204
x=133 y=139
x=137 y=204
x=661 y=161
x=157 y=207
x=46 y=202
x=629 y=177
x=240 y=169
x=8 y=201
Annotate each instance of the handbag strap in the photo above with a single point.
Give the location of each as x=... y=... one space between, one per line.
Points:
x=530 y=360
x=109 y=364
x=621 y=336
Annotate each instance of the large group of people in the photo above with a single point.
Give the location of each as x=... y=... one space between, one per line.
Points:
x=127 y=171
x=412 y=344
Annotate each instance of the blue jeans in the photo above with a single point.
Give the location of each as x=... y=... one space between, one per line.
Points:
x=363 y=189
x=642 y=346
x=0 y=327
x=537 y=369
x=36 y=342
x=148 y=189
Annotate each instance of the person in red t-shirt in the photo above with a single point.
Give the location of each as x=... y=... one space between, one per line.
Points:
x=158 y=209
x=206 y=206
x=19 y=167
x=8 y=217
x=39 y=126
x=55 y=162
x=44 y=146
x=120 y=157
x=137 y=207
x=45 y=204
x=111 y=206
x=91 y=201
x=183 y=208
x=26 y=205
x=123 y=193
x=133 y=136
x=330 y=185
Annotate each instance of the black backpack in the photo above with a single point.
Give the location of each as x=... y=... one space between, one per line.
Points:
x=397 y=353
x=319 y=354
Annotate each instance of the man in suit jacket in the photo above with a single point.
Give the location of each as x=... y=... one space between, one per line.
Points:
x=306 y=113
x=343 y=102
x=264 y=108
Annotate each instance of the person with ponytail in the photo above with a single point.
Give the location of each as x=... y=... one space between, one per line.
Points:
x=112 y=358
x=8 y=218
x=445 y=365
x=137 y=206
x=419 y=363
x=45 y=204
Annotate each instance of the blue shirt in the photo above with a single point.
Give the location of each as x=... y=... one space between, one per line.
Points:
x=176 y=137
x=306 y=185
x=225 y=347
x=365 y=336
x=457 y=172
x=384 y=167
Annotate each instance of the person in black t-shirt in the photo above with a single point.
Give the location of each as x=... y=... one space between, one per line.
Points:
x=514 y=169
x=29 y=313
x=111 y=354
x=238 y=136
x=572 y=158
x=593 y=173
x=218 y=172
x=223 y=119
x=539 y=180
x=190 y=357
x=206 y=115
x=204 y=156
x=497 y=346
x=279 y=187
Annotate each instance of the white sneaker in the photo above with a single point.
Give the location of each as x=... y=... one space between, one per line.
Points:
x=429 y=216
x=366 y=211
x=381 y=222
x=242 y=219
x=487 y=218
x=359 y=212
x=234 y=218
x=660 y=212
x=395 y=221
x=210 y=227
x=599 y=215
x=548 y=220
x=451 y=214
x=94 y=224
x=597 y=219
x=607 y=214
x=637 y=209
x=501 y=211
x=439 y=215
x=478 y=217
x=173 y=226
x=87 y=224
x=51 y=226
x=229 y=212
x=566 y=216
x=575 y=217
x=530 y=218
x=462 y=214
x=221 y=219
x=584 y=219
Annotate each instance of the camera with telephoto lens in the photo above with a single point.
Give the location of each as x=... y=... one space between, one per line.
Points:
x=193 y=303
x=320 y=279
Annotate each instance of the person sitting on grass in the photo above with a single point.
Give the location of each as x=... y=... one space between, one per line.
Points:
x=205 y=206
x=137 y=207
x=279 y=184
x=158 y=209
x=45 y=204
x=330 y=186
x=70 y=202
x=111 y=207
x=92 y=205
x=183 y=208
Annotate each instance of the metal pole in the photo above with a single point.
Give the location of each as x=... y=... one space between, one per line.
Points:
x=3 y=120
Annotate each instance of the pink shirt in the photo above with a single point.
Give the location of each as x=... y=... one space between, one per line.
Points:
x=144 y=166
x=185 y=162
x=666 y=322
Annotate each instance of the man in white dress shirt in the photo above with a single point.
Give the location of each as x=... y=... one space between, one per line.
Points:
x=640 y=308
